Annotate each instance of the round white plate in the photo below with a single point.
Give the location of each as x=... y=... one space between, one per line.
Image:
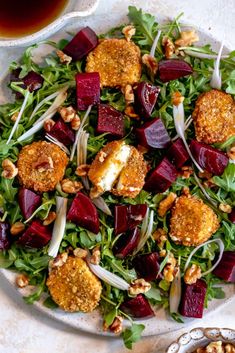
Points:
x=92 y=322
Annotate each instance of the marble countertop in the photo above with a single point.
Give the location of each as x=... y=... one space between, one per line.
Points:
x=23 y=329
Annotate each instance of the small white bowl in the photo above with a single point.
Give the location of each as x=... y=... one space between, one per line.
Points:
x=74 y=9
x=201 y=337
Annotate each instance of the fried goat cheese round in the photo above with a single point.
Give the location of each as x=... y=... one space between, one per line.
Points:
x=118 y=168
x=192 y=221
x=214 y=117
x=73 y=286
x=117 y=61
x=41 y=166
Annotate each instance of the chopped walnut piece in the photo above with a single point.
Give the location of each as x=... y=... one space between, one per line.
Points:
x=215 y=347
x=151 y=63
x=160 y=236
x=177 y=98
x=192 y=274
x=9 y=169
x=59 y=261
x=166 y=204
x=229 y=348
x=64 y=59
x=186 y=172
x=82 y=170
x=17 y=228
x=139 y=286
x=186 y=191
x=75 y=123
x=50 y=218
x=231 y=153
x=22 y=281
x=48 y=125
x=169 y=47
x=67 y=113
x=187 y=38
x=129 y=111
x=225 y=208
x=205 y=175
x=116 y=326
x=71 y=186
x=128 y=94
x=82 y=253
x=162 y=253
x=209 y=183
x=15 y=116
x=95 y=257
x=170 y=270
x=129 y=32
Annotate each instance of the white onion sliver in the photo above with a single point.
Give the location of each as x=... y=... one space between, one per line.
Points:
x=175 y=293
x=18 y=117
x=102 y=205
x=202 y=55
x=178 y=114
x=108 y=277
x=58 y=143
x=216 y=81
x=187 y=123
x=145 y=235
x=30 y=132
x=221 y=249
x=39 y=105
x=204 y=191
x=154 y=46
x=59 y=226
x=145 y=222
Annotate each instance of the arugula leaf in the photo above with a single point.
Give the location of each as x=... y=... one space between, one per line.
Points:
x=110 y=316
x=177 y=318
x=49 y=303
x=144 y=24
x=132 y=335
x=227 y=180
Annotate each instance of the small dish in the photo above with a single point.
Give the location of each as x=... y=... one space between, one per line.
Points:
x=201 y=337
x=74 y=9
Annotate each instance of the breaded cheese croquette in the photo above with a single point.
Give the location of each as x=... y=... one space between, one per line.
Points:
x=214 y=117
x=41 y=166
x=73 y=286
x=192 y=221
x=117 y=61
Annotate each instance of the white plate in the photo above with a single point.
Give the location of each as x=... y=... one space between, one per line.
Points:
x=92 y=322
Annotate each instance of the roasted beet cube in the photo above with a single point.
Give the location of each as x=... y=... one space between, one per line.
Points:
x=147 y=266
x=62 y=133
x=231 y=216
x=126 y=243
x=153 y=134
x=128 y=217
x=88 y=89
x=36 y=236
x=177 y=153
x=83 y=213
x=33 y=81
x=110 y=121
x=193 y=298
x=226 y=267
x=5 y=237
x=81 y=44
x=29 y=201
x=161 y=177
x=173 y=69
x=209 y=158
x=145 y=99
x=137 y=307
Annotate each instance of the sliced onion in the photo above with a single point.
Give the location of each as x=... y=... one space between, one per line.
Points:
x=39 y=105
x=187 y=123
x=178 y=114
x=18 y=117
x=216 y=80
x=59 y=226
x=155 y=42
x=175 y=293
x=221 y=249
x=146 y=230
x=58 y=143
x=102 y=205
x=199 y=55
x=204 y=191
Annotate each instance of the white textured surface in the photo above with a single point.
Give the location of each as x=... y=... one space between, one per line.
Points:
x=23 y=329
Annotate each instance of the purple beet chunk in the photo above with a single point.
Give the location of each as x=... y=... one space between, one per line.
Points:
x=5 y=238
x=83 y=213
x=231 y=216
x=153 y=134
x=62 y=133
x=81 y=44
x=226 y=267
x=209 y=158
x=193 y=298
x=33 y=81
x=137 y=307
x=136 y=214
x=177 y=153
x=173 y=69
x=145 y=99
x=36 y=236
x=88 y=89
x=147 y=266
x=126 y=244
x=110 y=121
x=120 y=219
x=161 y=177
x=29 y=201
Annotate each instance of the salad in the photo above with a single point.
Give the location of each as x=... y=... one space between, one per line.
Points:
x=117 y=173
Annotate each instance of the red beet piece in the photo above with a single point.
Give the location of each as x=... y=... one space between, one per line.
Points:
x=226 y=267
x=177 y=153
x=110 y=121
x=128 y=217
x=36 y=236
x=5 y=237
x=88 y=89
x=231 y=216
x=126 y=243
x=193 y=298
x=83 y=213
x=137 y=307
x=161 y=177
x=173 y=69
x=153 y=134
x=62 y=133
x=147 y=266
x=29 y=201
x=145 y=98
x=81 y=44
x=32 y=80
x=209 y=158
